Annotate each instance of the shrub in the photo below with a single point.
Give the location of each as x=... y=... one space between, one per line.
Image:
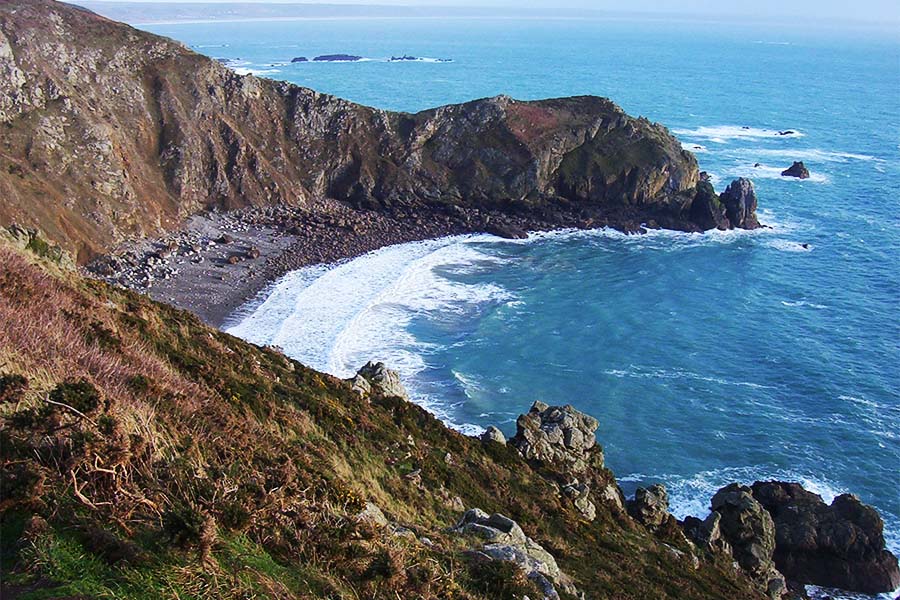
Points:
x=12 y=387
x=80 y=395
x=183 y=525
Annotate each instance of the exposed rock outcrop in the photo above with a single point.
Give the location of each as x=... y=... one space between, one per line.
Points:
x=740 y=202
x=377 y=378
x=492 y=434
x=650 y=507
x=558 y=436
x=798 y=170
x=707 y=534
x=841 y=545
x=706 y=209
x=111 y=133
x=749 y=530
x=506 y=541
x=562 y=440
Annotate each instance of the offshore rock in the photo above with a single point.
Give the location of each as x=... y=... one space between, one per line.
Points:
x=798 y=170
x=740 y=202
x=749 y=530
x=560 y=437
x=841 y=545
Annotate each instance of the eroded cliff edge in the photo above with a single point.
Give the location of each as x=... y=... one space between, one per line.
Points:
x=110 y=133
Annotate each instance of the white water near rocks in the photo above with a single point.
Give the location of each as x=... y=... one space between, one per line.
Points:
x=707 y=359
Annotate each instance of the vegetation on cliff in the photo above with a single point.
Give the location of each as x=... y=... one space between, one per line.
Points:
x=147 y=455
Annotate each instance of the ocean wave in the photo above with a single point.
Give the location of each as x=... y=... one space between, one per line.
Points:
x=643 y=372
x=804 y=303
x=338 y=317
x=789 y=246
x=724 y=133
x=813 y=155
x=258 y=72
x=820 y=593
x=772 y=172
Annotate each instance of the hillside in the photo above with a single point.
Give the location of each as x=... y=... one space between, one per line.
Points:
x=146 y=455
x=111 y=133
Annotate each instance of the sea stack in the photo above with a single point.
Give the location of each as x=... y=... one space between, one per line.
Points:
x=798 y=170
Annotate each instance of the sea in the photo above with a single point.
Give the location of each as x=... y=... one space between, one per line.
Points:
x=707 y=358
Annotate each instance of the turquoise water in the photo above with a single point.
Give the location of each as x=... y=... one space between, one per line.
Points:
x=707 y=358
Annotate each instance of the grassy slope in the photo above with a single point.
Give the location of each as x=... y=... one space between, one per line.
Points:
x=204 y=467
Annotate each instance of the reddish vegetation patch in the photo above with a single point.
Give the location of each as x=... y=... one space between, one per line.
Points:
x=529 y=122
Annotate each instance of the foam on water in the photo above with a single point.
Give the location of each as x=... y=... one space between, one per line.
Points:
x=772 y=172
x=336 y=318
x=724 y=133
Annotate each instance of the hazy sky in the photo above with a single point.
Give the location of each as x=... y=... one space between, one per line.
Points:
x=856 y=10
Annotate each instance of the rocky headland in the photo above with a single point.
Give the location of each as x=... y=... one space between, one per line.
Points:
x=147 y=453
x=114 y=137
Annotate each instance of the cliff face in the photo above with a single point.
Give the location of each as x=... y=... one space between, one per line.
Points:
x=110 y=132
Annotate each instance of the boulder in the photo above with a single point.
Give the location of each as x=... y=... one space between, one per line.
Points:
x=707 y=211
x=381 y=380
x=749 y=530
x=650 y=506
x=372 y=514
x=612 y=495
x=707 y=534
x=798 y=170
x=840 y=546
x=580 y=493
x=492 y=434
x=560 y=437
x=739 y=199
x=506 y=230
x=506 y=541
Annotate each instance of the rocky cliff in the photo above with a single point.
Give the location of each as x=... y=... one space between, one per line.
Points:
x=111 y=133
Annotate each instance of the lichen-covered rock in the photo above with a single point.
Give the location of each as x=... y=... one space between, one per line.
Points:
x=740 y=202
x=560 y=437
x=380 y=379
x=507 y=542
x=707 y=534
x=650 y=507
x=612 y=495
x=492 y=434
x=841 y=545
x=580 y=493
x=749 y=530
x=372 y=514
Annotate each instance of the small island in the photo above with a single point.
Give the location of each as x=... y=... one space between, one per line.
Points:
x=798 y=170
x=338 y=58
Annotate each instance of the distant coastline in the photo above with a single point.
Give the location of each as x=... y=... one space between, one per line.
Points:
x=197 y=13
